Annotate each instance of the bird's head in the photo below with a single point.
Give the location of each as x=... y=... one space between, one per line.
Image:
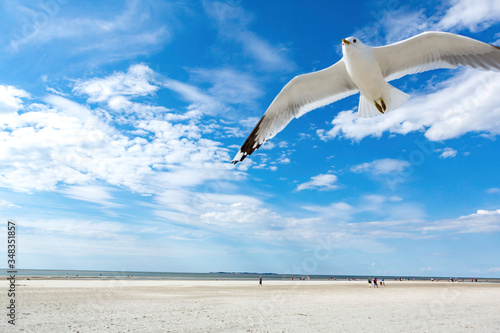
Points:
x=352 y=43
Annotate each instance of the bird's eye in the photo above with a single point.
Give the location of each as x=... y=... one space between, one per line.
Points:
x=354 y=40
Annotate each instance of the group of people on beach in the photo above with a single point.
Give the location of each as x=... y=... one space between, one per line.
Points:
x=375 y=282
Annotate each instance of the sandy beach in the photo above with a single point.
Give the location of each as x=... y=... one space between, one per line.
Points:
x=67 y=305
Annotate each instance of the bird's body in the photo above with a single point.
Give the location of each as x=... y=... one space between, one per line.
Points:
x=364 y=71
x=367 y=69
x=376 y=95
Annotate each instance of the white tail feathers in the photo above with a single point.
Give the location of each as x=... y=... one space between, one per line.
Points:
x=367 y=109
x=398 y=98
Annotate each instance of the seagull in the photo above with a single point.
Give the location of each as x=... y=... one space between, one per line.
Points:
x=368 y=69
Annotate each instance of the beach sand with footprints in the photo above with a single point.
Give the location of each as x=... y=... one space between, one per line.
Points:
x=138 y=305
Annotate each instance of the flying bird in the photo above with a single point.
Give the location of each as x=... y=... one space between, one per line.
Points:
x=368 y=69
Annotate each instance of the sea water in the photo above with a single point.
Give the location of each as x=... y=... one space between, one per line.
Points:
x=89 y=274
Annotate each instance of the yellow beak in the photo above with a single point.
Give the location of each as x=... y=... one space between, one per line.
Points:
x=345 y=42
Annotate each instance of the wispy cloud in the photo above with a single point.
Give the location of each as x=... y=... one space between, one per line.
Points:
x=230 y=86
x=382 y=167
x=218 y=91
x=481 y=221
x=233 y=24
x=393 y=23
x=196 y=96
x=339 y=210
x=122 y=33
x=448 y=152
x=7 y=204
x=78 y=228
x=322 y=182
x=92 y=193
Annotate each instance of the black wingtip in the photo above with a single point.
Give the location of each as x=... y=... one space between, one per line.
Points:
x=236 y=159
x=250 y=144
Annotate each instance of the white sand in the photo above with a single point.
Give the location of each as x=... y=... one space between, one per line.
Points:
x=243 y=306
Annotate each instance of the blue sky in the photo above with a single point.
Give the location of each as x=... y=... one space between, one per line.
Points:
x=118 y=123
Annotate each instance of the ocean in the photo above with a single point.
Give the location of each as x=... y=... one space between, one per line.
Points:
x=87 y=274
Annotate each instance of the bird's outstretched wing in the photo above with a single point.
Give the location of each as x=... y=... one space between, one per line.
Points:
x=302 y=94
x=432 y=50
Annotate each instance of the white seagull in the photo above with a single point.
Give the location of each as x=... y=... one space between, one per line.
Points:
x=367 y=69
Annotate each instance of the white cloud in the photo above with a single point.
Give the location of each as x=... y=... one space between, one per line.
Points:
x=474 y=15
x=493 y=190
x=467 y=102
x=43 y=146
x=11 y=99
x=382 y=167
x=118 y=88
x=448 y=152
x=323 y=182
x=64 y=142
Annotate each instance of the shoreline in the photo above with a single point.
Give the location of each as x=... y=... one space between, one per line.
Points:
x=267 y=278
x=33 y=274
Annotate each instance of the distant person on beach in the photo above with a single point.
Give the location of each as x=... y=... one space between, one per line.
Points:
x=260 y=281
x=375 y=283
x=370 y=282
x=382 y=283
